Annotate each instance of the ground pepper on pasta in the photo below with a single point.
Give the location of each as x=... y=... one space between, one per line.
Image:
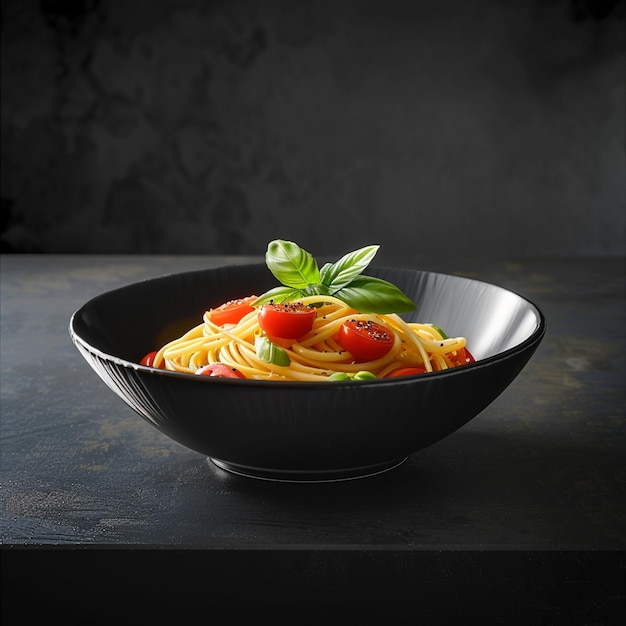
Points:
x=316 y=355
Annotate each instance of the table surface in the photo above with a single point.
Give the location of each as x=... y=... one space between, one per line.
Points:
x=543 y=468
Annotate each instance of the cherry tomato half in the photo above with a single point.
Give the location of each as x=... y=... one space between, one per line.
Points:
x=463 y=357
x=288 y=320
x=232 y=311
x=406 y=371
x=220 y=370
x=365 y=340
x=148 y=359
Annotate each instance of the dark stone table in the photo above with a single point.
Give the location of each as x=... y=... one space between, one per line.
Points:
x=520 y=514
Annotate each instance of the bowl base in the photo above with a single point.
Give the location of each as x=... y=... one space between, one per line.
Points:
x=303 y=476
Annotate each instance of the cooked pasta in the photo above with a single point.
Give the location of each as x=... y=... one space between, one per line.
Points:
x=316 y=355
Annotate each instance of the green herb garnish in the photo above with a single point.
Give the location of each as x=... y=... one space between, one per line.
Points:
x=269 y=352
x=300 y=276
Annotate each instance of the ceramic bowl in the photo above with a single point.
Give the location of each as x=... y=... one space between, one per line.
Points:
x=305 y=431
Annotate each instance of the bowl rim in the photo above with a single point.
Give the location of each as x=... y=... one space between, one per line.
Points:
x=533 y=339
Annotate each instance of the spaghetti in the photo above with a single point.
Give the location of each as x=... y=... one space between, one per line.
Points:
x=316 y=355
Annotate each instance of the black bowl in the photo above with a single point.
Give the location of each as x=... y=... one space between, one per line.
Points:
x=313 y=430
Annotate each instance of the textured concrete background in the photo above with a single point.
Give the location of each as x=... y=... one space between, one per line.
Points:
x=214 y=126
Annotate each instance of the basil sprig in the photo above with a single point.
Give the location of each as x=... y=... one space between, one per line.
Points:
x=300 y=276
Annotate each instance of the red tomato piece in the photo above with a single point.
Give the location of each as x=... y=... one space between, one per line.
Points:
x=288 y=320
x=365 y=340
x=463 y=357
x=232 y=311
x=220 y=370
x=148 y=359
x=468 y=356
x=406 y=371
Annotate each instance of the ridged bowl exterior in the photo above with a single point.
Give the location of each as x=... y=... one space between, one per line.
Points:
x=304 y=428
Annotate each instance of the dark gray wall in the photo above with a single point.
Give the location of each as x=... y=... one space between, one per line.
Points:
x=194 y=126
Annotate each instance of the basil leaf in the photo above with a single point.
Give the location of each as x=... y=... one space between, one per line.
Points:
x=291 y=265
x=375 y=295
x=270 y=352
x=323 y=271
x=339 y=274
x=278 y=295
x=317 y=290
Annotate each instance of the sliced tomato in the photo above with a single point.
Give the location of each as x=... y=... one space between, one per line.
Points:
x=148 y=359
x=232 y=311
x=219 y=369
x=288 y=320
x=463 y=357
x=406 y=371
x=365 y=340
